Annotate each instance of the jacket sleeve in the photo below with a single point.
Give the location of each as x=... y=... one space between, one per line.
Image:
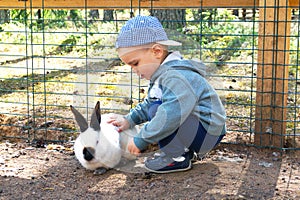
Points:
x=138 y=114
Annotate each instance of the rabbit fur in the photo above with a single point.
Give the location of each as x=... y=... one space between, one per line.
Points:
x=100 y=146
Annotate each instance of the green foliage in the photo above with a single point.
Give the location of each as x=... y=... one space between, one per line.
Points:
x=67 y=45
x=221 y=34
x=12 y=33
x=19 y=15
x=48 y=19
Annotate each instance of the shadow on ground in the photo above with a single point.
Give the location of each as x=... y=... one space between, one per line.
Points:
x=42 y=174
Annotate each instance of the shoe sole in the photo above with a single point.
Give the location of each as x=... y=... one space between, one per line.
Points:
x=170 y=171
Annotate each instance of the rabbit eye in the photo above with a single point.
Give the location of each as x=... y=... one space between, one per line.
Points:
x=97 y=142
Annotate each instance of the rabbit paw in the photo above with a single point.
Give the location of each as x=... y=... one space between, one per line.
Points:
x=100 y=171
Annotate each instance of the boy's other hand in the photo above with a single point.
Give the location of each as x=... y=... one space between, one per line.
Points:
x=133 y=149
x=120 y=122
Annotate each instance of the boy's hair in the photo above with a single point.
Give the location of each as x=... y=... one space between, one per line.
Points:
x=143 y=30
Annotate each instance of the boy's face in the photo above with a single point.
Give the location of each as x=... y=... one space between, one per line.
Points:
x=144 y=62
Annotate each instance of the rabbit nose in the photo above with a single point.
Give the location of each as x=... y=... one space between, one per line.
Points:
x=88 y=153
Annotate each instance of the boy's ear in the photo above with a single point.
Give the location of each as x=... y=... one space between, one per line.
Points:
x=158 y=50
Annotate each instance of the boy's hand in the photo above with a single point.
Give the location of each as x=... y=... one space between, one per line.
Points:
x=133 y=149
x=120 y=122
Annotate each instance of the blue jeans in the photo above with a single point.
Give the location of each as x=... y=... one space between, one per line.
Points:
x=190 y=135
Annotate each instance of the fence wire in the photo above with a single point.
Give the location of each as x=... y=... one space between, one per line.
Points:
x=53 y=58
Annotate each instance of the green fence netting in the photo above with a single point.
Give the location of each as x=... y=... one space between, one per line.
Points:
x=53 y=58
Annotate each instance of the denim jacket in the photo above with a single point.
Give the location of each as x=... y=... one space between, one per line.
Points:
x=181 y=87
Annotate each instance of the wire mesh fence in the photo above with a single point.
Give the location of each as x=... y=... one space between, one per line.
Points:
x=51 y=58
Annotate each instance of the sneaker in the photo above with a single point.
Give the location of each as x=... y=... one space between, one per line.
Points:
x=165 y=164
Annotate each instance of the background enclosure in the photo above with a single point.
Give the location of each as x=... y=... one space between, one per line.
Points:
x=53 y=54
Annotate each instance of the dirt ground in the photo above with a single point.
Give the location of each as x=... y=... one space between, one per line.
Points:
x=229 y=172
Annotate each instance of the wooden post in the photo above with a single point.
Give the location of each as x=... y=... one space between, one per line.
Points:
x=272 y=72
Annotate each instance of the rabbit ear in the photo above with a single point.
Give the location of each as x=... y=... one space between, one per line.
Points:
x=81 y=121
x=96 y=117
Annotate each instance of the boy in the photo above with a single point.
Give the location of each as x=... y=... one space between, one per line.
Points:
x=184 y=113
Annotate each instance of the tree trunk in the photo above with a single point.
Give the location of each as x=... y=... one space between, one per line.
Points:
x=172 y=19
x=108 y=15
x=4 y=16
x=235 y=12
x=94 y=15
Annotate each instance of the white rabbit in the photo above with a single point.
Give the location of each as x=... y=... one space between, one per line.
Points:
x=100 y=146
